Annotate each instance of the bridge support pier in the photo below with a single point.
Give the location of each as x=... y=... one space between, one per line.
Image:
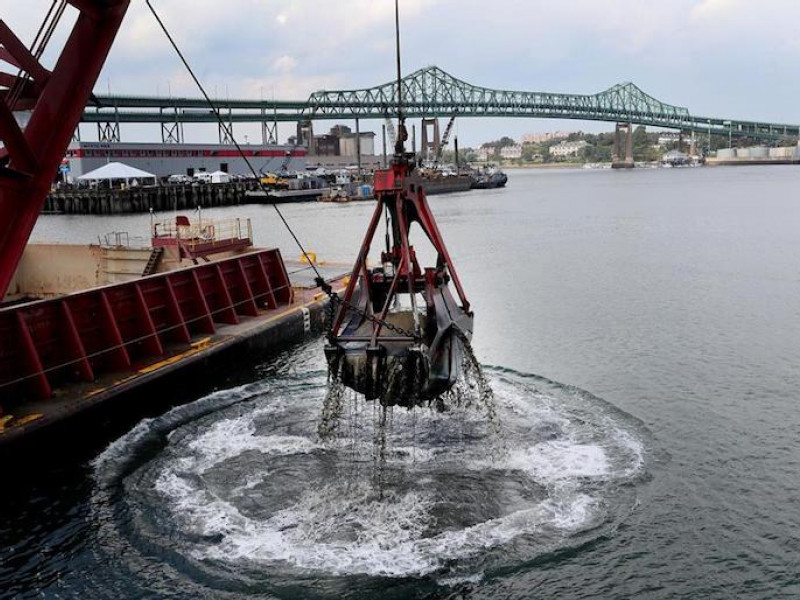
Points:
x=429 y=148
x=620 y=146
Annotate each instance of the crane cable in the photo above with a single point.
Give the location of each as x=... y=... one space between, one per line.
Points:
x=37 y=48
x=229 y=131
x=319 y=280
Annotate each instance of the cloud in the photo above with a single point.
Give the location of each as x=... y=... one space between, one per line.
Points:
x=284 y=64
x=718 y=57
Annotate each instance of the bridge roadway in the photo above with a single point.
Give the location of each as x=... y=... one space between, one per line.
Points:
x=431 y=92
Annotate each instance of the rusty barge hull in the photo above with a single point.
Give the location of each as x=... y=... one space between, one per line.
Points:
x=63 y=356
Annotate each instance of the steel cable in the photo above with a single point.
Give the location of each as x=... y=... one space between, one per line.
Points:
x=229 y=131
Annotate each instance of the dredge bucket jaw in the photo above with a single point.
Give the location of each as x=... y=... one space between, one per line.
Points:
x=399 y=332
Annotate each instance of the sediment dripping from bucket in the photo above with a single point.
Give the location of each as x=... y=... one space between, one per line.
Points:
x=472 y=390
x=332 y=406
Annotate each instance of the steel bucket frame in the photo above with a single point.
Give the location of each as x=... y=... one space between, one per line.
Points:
x=366 y=346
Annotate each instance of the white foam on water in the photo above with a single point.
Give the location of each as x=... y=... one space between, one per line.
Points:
x=232 y=437
x=338 y=528
x=197 y=509
x=559 y=460
x=457 y=580
x=412 y=454
x=119 y=447
x=635 y=448
x=345 y=532
x=337 y=531
x=251 y=481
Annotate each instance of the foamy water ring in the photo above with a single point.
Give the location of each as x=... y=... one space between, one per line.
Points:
x=237 y=489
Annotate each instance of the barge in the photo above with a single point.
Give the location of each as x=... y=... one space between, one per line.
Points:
x=113 y=318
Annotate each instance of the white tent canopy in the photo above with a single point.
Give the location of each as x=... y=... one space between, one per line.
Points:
x=116 y=171
x=220 y=177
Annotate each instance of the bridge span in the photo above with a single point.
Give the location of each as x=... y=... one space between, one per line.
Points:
x=428 y=92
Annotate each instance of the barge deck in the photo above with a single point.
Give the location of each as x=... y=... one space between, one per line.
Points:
x=63 y=379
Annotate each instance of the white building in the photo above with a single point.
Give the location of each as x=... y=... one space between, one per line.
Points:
x=484 y=154
x=668 y=137
x=567 y=149
x=511 y=152
x=539 y=138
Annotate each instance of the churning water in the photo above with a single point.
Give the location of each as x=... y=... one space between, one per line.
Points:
x=238 y=492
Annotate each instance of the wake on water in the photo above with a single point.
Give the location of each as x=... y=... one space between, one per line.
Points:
x=239 y=487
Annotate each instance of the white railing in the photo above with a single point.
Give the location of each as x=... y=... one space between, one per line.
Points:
x=204 y=231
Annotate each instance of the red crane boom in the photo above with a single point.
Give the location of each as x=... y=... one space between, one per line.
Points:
x=30 y=157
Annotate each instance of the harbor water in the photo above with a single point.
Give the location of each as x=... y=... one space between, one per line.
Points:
x=641 y=332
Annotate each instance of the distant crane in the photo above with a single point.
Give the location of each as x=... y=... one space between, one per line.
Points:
x=390 y=131
x=445 y=140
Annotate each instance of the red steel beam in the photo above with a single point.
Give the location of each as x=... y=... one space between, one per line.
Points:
x=75 y=343
x=249 y=306
x=116 y=345
x=269 y=293
x=207 y=319
x=23 y=58
x=228 y=310
x=37 y=377
x=53 y=120
x=179 y=321
x=153 y=343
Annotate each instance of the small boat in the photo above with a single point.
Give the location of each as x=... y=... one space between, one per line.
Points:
x=345 y=192
x=488 y=179
x=335 y=194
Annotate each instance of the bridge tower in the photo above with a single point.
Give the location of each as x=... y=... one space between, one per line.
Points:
x=623 y=145
x=429 y=148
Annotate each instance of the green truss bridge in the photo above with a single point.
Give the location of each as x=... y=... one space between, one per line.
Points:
x=428 y=92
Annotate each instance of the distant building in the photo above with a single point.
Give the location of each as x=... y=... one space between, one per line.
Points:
x=340 y=130
x=485 y=153
x=341 y=141
x=347 y=144
x=567 y=149
x=182 y=159
x=668 y=137
x=511 y=152
x=326 y=145
x=540 y=138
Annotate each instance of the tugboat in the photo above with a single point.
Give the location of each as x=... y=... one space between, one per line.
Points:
x=398 y=335
x=489 y=178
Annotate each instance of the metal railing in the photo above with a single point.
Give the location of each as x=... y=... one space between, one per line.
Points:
x=204 y=231
x=122 y=239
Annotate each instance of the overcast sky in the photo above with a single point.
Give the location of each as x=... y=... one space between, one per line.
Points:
x=727 y=58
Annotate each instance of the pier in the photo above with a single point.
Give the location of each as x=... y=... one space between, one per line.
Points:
x=75 y=201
